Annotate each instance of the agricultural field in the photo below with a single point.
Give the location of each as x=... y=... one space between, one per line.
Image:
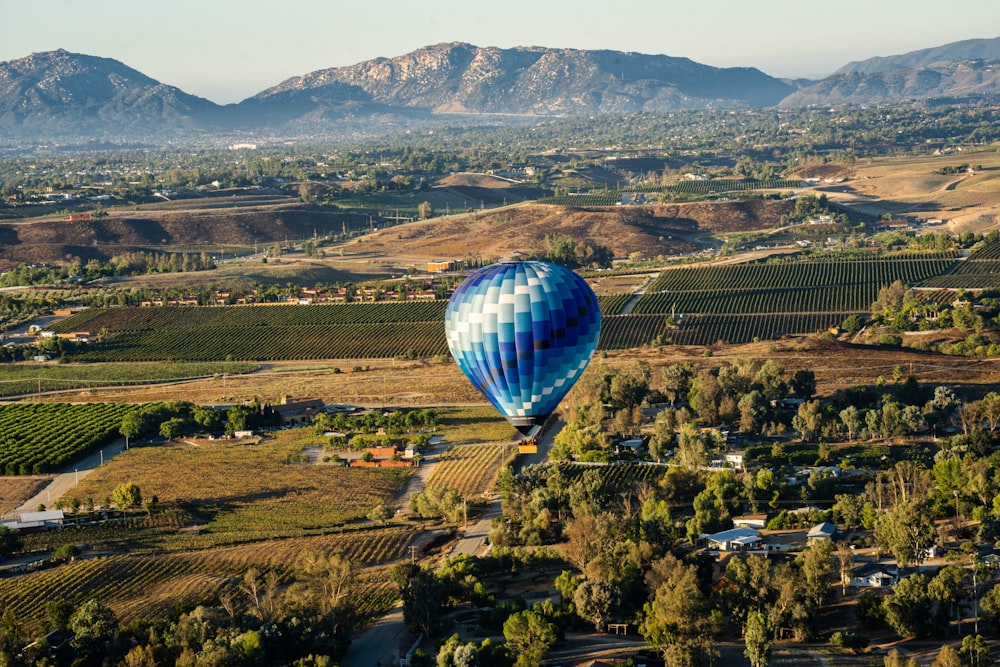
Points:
x=980 y=271
x=473 y=424
x=620 y=332
x=44 y=437
x=151 y=585
x=193 y=317
x=241 y=493
x=617 y=478
x=266 y=343
x=736 y=329
x=471 y=470
x=691 y=188
x=876 y=271
x=21 y=379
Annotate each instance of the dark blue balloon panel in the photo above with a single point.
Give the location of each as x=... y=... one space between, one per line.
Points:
x=523 y=332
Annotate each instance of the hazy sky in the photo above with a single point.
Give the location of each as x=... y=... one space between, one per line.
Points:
x=227 y=50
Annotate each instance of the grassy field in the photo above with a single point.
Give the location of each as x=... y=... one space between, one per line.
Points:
x=473 y=423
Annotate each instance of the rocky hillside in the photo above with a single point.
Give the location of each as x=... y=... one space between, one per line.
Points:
x=969 y=49
x=942 y=79
x=68 y=94
x=62 y=95
x=461 y=77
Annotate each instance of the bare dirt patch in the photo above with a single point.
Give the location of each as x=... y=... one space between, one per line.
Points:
x=14 y=491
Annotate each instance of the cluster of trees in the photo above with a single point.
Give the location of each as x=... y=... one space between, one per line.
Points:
x=174 y=418
x=356 y=431
x=574 y=254
x=124 y=264
x=619 y=541
x=745 y=394
x=529 y=632
x=898 y=309
x=301 y=617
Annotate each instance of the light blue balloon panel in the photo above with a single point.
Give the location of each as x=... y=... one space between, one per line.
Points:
x=523 y=332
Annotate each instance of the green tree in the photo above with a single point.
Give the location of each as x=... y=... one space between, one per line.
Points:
x=808 y=421
x=126 y=495
x=757 y=635
x=804 y=383
x=677 y=620
x=908 y=610
x=907 y=531
x=530 y=636
x=172 y=428
x=975 y=651
x=818 y=568
x=132 y=426
x=593 y=601
x=94 y=629
x=10 y=542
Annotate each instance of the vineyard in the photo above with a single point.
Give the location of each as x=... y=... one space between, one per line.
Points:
x=270 y=343
x=195 y=317
x=736 y=329
x=746 y=277
x=980 y=271
x=696 y=188
x=471 y=469
x=150 y=586
x=856 y=298
x=617 y=477
x=730 y=185
x=22 y=379
x=612 y=304
x=44 y=437
x=248 y=493
x=626 y=331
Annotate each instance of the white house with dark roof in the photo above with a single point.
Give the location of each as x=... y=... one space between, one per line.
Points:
x=874 y=575
x=734 y=539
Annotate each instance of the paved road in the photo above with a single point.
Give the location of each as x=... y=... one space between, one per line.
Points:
x=62 y=483
x=381 y=645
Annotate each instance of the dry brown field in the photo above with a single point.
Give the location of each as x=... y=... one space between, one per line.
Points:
x=430 y=383
x=911 y=186
x=15 y=490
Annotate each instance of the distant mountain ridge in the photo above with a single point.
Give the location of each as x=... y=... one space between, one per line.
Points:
x=463 y=78
x=62 y=95
x=969 y=49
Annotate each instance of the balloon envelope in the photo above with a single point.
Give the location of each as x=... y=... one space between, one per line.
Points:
x=523 y=332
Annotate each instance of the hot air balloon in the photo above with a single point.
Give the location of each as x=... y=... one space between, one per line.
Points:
x=523 y=332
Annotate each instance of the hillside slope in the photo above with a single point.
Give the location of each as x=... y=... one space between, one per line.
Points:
x=652 y=230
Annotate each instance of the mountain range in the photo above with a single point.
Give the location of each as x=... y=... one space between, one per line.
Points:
x=59 y=95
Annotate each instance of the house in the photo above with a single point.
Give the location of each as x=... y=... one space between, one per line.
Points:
x=35 y=521
x=821 y=531
x=631 y=444
x=440 y=266
x=298 y=412
x=874 y=575
x=735 y=539
x=755 y=521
